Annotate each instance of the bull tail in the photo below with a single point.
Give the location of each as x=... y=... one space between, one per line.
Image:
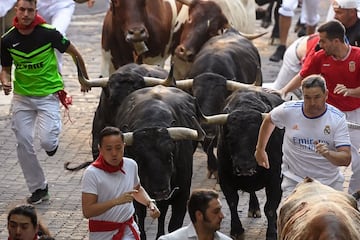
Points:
x=77 y=168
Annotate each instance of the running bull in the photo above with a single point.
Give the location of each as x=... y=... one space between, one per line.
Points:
x=238 y=169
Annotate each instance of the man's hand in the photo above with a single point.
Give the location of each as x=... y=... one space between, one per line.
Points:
x=154 y=211
x=341 y=89
x=322 y=149
x=126 y=197
x=262 y=159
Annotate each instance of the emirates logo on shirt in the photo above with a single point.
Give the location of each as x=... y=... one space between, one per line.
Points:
x=327 y=130
x=352 y=66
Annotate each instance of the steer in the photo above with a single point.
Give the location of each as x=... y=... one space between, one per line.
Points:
x=238 y=169
x=208 y=19
x=139 y=31
x=316 y=211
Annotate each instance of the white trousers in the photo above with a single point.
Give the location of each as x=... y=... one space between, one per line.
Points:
x=57 y=13
x=29 y=113
x=309 y=10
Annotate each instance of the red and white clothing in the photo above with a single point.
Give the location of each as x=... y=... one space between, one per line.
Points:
x=109 y=186
x=345 y=71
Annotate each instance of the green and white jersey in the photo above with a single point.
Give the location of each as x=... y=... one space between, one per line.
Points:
x=36 y=72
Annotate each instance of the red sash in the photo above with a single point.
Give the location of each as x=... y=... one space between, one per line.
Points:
x=105 y=226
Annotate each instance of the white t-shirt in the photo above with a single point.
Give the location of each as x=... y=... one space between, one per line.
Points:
x=299 y=156
x=109 y=186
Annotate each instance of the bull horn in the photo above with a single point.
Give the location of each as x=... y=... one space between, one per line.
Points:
x=184 y=84
x=353 y=125
x=252 y=36
x=186 y=2
x=183 y=133
x=233 y=86
x=264 y=115
x=152 y=81
x=219 y=119
x=168 y=82
x=97 y=82
x=128 y=138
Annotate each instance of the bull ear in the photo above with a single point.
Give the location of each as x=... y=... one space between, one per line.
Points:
x=170 y=80
x=128 y=138
x=98 y=82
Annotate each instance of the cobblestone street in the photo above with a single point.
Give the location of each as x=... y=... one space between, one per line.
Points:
x=63 y=213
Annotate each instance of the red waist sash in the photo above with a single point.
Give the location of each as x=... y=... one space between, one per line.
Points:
x=105 y=226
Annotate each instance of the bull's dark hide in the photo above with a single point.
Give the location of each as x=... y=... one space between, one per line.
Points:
x=164 y=165
x=225 y=57
x=125 y=80
x=238 y=169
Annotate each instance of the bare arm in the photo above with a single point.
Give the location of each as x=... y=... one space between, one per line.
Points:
x=76 y=55
x=91 y=207
x=5 y=77
x=143 y=197
x=266 y=129
x=340 y=157
x=294 y=83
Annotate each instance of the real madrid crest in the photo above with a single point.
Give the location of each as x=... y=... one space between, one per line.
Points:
x=352 y=66
x=327 y=130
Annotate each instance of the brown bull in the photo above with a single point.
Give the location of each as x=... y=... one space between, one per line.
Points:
x=318 y=212
x=139 y=31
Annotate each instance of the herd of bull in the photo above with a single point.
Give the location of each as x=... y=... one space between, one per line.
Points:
x=218 y=102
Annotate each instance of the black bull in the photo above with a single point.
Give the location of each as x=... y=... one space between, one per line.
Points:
x=237 y=165
x=125 y=80
x=165 y=166
x=227 y=56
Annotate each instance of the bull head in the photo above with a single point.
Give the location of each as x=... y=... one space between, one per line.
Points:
x=176 y=133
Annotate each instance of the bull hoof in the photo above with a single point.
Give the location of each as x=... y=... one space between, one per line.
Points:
x=238 y=236
x=254 y=213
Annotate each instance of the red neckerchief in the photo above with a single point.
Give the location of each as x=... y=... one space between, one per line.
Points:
x=103 y=165
x=104 y=226
x=37 y=20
